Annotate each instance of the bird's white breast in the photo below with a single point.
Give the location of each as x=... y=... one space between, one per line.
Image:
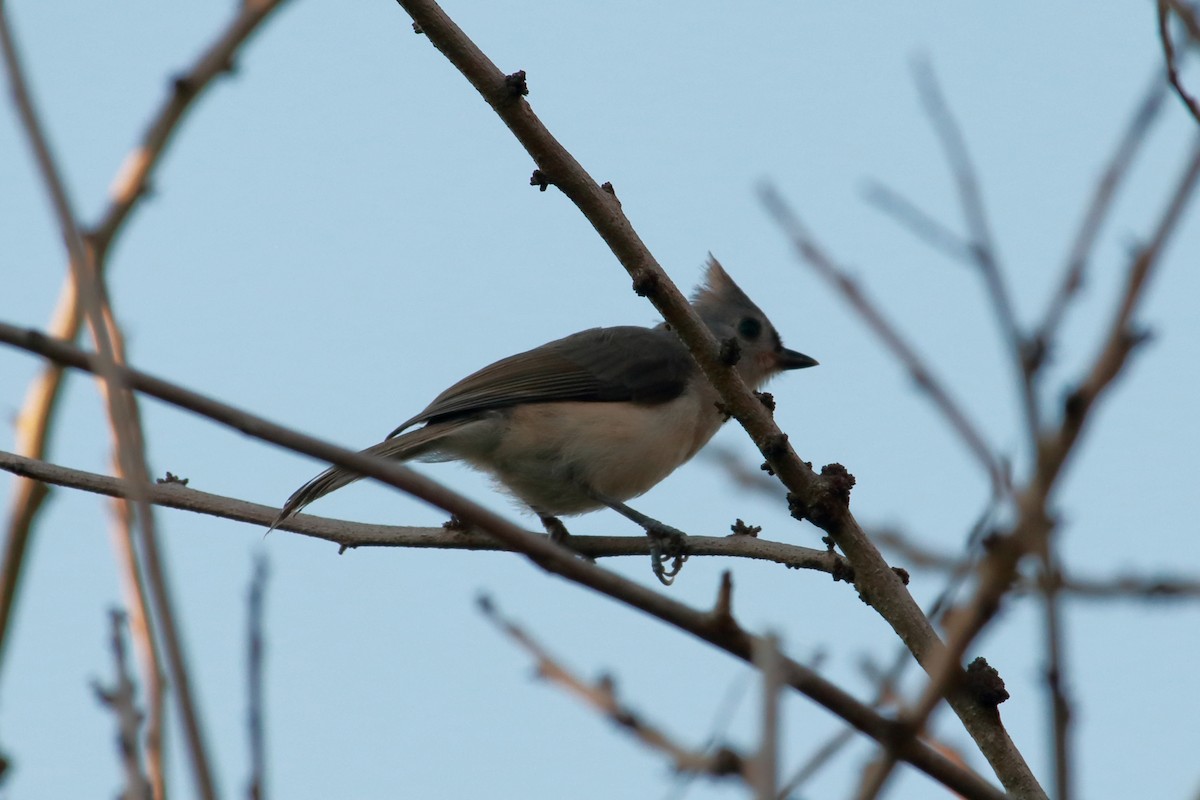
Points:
x=550 y=454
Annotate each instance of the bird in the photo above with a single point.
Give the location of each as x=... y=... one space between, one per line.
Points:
x=589 y=420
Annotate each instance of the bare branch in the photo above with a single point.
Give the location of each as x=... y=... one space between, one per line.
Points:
x=982 y=244
x=122 y=700
x=256 y=680
x=998 y=570
x=145 y=643
x=1188 y=15
x=1097 y=212
x=1122 y=337
x=766 y=762
x=1165 y=7
x=121 y=403
x=32 y=429
x=539 y=549
x=601 y=695
x=35 y=417
x=133 y=179
x=1117 y=587
x=356 y=534
x=811 y=253
x=921 y=224
x=821 y=499
x=1056 y=673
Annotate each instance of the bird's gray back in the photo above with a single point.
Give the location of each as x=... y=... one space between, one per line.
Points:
x=619 y=364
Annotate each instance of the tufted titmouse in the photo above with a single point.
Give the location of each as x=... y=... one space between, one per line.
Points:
x=589 y=420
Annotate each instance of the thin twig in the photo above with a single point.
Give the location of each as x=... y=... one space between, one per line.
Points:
x=1117 y=587
x=142 y=632
x=122 y=699
x=918 y=222
x=1189 y=15
x=132 y=181
x=256 y=680
x=32 y=429
x=1134 y=136
x=601 y=695
x=539 y=549
x=808 y=250
x=1056 y=674
x=1165 y=7
x=982 y=244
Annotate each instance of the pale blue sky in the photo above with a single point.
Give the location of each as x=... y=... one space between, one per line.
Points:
x=345 y=228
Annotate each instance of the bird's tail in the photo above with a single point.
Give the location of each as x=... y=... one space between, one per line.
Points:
x=414 y=444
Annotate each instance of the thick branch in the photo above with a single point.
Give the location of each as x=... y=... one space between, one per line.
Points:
x=998 y=569
x=544 y=553
x=877 y=584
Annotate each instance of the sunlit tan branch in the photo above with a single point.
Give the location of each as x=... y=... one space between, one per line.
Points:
x=121 y=404
x=133 y=179
x=35 y=417
x=145 y=642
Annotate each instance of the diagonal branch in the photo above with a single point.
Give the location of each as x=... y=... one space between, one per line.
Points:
x=601 y=695
x=822 y=499
x=998 y=569
x=982 y=244
x=920 y=223
x=809 y=251
x=1165 y=7
x=1132 y=139
x=132 y=181
x=129 y=443
x=37 y=412
x=709 y=626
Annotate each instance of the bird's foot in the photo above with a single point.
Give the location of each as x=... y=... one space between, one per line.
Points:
x=557 y=532
x=667 y=545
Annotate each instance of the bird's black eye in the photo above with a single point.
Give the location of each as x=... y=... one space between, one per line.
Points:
x=750 y=328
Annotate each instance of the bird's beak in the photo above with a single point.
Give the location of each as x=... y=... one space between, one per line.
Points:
x=789 y=359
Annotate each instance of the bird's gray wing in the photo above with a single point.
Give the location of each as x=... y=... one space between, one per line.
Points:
x=628 y=363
